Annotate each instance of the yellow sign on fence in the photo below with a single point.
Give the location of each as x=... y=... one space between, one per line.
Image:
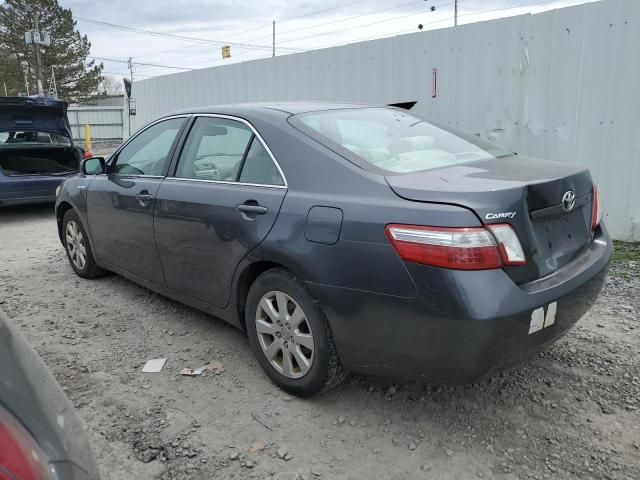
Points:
x=226 y=52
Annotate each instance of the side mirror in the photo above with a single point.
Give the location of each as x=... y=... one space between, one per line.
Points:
x=93 y=166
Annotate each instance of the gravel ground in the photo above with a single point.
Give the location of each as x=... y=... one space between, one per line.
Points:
x=103 y=149
x=570 y=412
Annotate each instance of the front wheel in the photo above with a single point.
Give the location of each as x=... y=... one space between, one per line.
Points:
x=76 y=243
x=290 y=335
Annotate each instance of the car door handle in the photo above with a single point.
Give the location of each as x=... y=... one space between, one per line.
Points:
x=252 y=209
x=144 y=197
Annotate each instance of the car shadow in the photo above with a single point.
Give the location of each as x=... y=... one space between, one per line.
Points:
x=20 y=213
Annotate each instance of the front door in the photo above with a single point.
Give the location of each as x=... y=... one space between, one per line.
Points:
x=221 y=202
x=120 y=204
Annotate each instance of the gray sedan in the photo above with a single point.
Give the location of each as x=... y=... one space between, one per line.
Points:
x=345 y=238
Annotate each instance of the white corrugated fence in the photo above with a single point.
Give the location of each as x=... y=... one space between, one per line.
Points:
x=106 y=122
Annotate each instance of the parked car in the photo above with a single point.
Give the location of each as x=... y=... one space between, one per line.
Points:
x=40 y=434
x=36 y=149
x=345 y=238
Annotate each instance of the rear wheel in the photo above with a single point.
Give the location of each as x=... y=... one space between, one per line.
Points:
x=290 y=335
x=76 y=243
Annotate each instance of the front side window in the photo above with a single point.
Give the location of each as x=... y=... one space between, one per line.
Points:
x=148 y=153
x=394 y=140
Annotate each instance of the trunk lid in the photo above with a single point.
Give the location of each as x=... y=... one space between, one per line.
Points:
x=35 y=114
x=526 y=193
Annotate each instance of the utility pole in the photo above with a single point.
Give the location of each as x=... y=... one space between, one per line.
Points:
x=273 y=52
x=38 y=60
x=5 y=89
x=38 y=39
x=455 y=13
x=130 y=65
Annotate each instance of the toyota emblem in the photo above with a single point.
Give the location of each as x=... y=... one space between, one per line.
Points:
x=569 y=200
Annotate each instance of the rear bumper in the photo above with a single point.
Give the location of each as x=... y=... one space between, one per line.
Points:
x=463 y=325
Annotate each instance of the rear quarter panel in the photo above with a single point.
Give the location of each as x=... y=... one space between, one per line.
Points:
x=362 y=258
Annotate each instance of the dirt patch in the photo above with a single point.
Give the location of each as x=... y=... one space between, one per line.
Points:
x=570 y=412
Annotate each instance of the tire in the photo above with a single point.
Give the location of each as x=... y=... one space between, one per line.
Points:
x=309 y=370
x=76 y=244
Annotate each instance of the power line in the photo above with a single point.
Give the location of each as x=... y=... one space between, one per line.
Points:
x=123 y=74
x=199 y=44
x=300 y=16
x=252 y=29
x=292 y=30
x=506 y=8
x=416 y=13
x=357 y=16
x=361 y=26
x=446 y=19
x=345 y=19
x=177 y=37
x=140 y=63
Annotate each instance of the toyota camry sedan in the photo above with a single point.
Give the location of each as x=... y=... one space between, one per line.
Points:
x=345 y=238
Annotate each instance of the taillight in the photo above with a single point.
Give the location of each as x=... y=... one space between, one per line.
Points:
x=20 y=456
x=474 y=248
x=596 y=214
x=508 y=244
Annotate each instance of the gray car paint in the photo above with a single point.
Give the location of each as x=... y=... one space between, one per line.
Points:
x=30 y=393
x=361 y=268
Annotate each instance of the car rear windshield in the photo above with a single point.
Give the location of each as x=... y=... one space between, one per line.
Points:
x=18 y=137
x=393 y=140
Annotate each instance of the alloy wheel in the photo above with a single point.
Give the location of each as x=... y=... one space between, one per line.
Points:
x=284 y=334
x=75 y=245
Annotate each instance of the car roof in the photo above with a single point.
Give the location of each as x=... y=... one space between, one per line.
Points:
x=291 y=108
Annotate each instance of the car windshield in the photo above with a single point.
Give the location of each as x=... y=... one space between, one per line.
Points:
x=22 y=137
x=394 y=140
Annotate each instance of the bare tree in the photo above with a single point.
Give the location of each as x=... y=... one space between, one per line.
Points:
x=110 y=86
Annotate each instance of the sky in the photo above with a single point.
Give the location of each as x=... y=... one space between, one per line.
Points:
x=246 y=26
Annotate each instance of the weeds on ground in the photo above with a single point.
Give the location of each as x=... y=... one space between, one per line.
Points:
x=625 y=260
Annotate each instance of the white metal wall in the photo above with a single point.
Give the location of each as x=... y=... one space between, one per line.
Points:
x=562 y=85
x=106 y=122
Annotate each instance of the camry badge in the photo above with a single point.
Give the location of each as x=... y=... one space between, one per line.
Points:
x=569 y=200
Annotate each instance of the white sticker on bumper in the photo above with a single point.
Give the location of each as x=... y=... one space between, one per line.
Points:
x=550 y=318
x=539 y=320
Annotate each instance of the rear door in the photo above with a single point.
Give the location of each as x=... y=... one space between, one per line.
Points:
x=120 y=204
x=220 y=202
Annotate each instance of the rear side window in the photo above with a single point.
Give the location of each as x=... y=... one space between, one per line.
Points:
x=148 y=152
x=214 y=150
x=259 y=168
x=393 y=140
